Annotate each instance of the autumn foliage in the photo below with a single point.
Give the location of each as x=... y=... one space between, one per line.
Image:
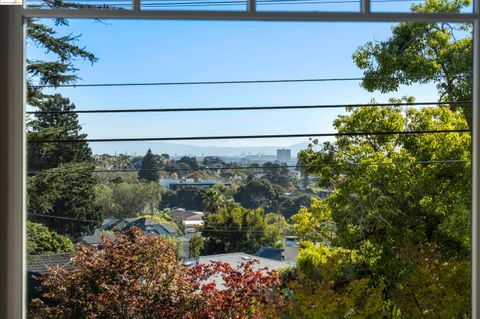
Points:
x=139 y=276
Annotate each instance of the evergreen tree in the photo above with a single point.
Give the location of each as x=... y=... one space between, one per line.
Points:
x=63 y=199
x=149 y=168
x=54 y=126
x=64 y=186
x=63 y=51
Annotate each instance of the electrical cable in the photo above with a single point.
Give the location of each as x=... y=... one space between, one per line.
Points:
x=245 y=108
x=173 y=169
x=242 y=81
x=227 y=137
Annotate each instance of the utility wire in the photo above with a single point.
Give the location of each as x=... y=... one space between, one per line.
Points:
x=247 y=108
x=126 y=170
x=227 y=137
x=63 y=218
x=242 y=81
x=96 y=222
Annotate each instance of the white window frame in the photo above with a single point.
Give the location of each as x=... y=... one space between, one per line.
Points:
x=12 y=119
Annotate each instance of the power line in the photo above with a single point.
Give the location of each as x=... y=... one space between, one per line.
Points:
x=126 y=170
x=96 y=222
x=229 y=231
x=227 y=137
x=242 y=81
x=247 y=108
x=63 y=218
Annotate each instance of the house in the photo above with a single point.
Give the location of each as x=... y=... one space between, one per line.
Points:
x=149 y=225
x=288 y=254
x=39 y=265
x=114 y=224
x=235 y=260
x=95 y=239
x=193 y=223
x=191 y=219
x=270 y=253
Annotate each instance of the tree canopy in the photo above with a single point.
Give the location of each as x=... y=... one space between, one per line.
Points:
x=395 y=217
x=149 y=169
x=139 y=276
x=188 y=197
x=258 y=193
x=63 y=184
x=423 y=52
x=65 y=196
x=235 y=229
x=42 y=241
x=128 y=199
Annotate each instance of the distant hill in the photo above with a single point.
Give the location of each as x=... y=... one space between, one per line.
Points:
x=193 y=150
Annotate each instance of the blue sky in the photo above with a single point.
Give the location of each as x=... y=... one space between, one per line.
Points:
x=144 y=51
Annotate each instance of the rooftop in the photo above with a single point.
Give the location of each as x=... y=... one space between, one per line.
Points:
x=40 y=264
x=235 y=259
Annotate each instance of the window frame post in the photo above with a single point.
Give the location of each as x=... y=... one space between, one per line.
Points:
x=12 y=162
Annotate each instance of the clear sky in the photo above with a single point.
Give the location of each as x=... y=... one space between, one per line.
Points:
x=155 y=51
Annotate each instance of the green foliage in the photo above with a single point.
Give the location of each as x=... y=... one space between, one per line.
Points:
x=190 y=162
x=263 y=193
x=64 y=187
x=188 y=197
x=421 y=53
x=328 y=283
x=258 y=193
x=407 y=224
x=424 y=202
x=195 y=246
x=149 y=168
x=278 y=174
x=56 y=126
x=127 y=200
x=314 y=224
x=290 y=203
x=433 y=287
x=63 y=50
x=65 y=191
x=63 y=184
x=175 y=222
x=212 y=160
x=42 y=241
x=214 y=200
x=237 y=229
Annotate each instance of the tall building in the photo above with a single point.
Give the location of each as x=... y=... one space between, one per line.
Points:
x=284 y=155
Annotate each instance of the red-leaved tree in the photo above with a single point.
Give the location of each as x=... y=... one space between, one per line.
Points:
x=138 y=276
